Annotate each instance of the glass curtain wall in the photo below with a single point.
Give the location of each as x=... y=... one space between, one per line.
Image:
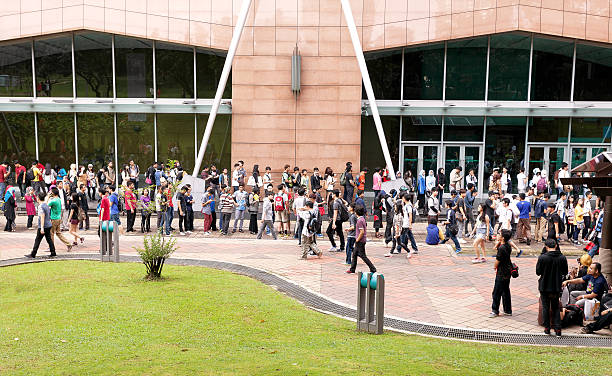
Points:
x=17 y=137
x=56 y=139
x=93 y=64
x=385 y=69
x=593 y=73
x=175 y=138
x=133 y=67
x=135 y=139
x=53 y=66
x=466 y=69
x=95 y=139
x=218 y=152
x=424 y=72
x=16 y=69
x=209 y=65
x=509 y=67
x=174 y=70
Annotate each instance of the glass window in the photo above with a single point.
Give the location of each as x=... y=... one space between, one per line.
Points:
x=135 y=139
x=548 y=129
x=424 y=72
x=176 y=138
x=17 y=142
x=552 y=70
x=93 y=64
x=371 y=152
x=466 y=69
x=463 y=128
x=593 y=73
x=210 y=65
x=219 y=149
x=421 y=128
x=16 y=70
x=96 y=139
x=504 y=147
x=53 y=65
x=133 y=67
x=509 y=67
x=174 y=70
x=385 y=69
x=591 y=130
x=56 y=139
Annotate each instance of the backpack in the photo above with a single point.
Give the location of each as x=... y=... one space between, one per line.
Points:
x=343 y=212
x=514 y=271
x=279 y=203
x=313 y=223
x=343 y=178
x=541 y=186
x=30 y=175
x=573 y=316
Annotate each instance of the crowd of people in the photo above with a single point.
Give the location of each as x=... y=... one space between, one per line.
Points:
x=503 y=219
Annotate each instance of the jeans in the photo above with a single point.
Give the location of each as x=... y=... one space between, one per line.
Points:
x=46 y=233
x=350 y=246
x=461 y=226
x=404 y=237
x=550 y=302
x=348 y=193
x=360 y=252
x=587 y=225
x=330 y=234
x=2 y=189
x=161 y=220
x=298 y=230
x=270 y=225
x=169 y=217
x=225 y=219
x=501 y=291
x=449 y=235
x=239 y=216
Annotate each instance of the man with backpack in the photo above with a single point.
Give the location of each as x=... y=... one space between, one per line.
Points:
x=287 y=178
x=339 y=215
x=309 y=219
x=551 y=267
x=281 y=210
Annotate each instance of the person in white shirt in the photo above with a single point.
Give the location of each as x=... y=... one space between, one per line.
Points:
x=236 y=177
x=430 y=182
x=298 y=204
x=267 y=181
x=504 y=181
x=535 y=178
x=587 y=211
x=471 y=178
x=433 y=206
x=563 y=173
x=522 y=181
x=505 y=215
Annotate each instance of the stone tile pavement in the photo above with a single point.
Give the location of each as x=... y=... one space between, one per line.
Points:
x=431 y=287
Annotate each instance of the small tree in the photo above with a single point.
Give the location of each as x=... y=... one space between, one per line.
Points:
x=156 y=249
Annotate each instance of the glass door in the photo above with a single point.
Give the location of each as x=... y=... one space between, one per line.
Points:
x=547 y=158
x=411 y=160
x=579 y=156
x=429 y=158
x=466 y=157
x=452 y=159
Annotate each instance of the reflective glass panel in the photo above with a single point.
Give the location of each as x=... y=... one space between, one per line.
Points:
x=16 y=70
x=133 y=67
x=551 y=76
x=219 y=148
x=209 y=67
x=509 y=67
x=424 y=72
x=463 y=128
x=56 y=139
x=421 y=128
x=371 y=152
x=53 y=65
x=466 y=69
x=135 y=139
x=593 y=73
x=96 y=139
x=176 y=138
x=504 y=147
x=385 y=69
x=548 y=129
x=93 y=64
x=591 y=130
x=17 y=141
x=174 y=70
x=411 y=160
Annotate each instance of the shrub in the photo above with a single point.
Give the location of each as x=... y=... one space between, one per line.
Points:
x=156 y=249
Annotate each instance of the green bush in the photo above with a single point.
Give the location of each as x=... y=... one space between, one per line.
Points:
x=156 y=249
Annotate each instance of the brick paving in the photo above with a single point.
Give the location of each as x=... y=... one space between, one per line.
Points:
x=431 y=287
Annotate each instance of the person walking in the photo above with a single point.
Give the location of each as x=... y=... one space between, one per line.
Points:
x=408 y=213
x=360 y=242
x=55 y=208
x=44 y=227
x=551 y=268
x=74 y=219
x=451 y=227
x=587 y=212
x=308 y=231
x=503 y=273
x=340 y=215
x=524 y=219
x=267 y=216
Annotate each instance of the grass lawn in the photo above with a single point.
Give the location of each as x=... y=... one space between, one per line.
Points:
x=84 y=317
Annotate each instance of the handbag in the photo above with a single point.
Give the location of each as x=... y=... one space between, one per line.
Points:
x=591 y=309
x=251 y=181
x=148 y=181
x=321 y=210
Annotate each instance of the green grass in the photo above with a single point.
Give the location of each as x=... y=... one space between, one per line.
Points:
x=79 y=317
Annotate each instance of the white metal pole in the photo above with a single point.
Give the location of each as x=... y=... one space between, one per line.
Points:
x=227 y=67
x=350 y=22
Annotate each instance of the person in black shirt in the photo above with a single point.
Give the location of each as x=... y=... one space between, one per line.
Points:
x=83 y=207
x=554 y=221
x=315 y=180
x=503 y=267
x=490 y=206
x=551 y=267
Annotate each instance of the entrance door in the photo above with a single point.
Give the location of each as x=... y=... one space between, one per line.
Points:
x=547 y=158
x=581 y=154
x=420 y=157
x=467 y=157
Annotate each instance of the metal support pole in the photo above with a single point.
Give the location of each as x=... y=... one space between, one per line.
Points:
x=227 y=67
x=350 y=22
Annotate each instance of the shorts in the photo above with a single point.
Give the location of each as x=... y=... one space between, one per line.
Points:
x=115 y=217
x=282 y=216
x=481 y=233
x=74 y=221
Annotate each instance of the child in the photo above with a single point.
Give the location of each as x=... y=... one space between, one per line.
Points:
x=30 y=207
x=253 y=210
x=451 y=226
x=350 y=234
x=433 y=232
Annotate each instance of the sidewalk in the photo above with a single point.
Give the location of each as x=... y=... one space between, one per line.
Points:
x=431 y=287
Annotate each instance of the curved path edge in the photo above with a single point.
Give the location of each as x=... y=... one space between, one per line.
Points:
x=321 y=303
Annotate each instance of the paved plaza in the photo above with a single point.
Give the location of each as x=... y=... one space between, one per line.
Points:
x=431 y=287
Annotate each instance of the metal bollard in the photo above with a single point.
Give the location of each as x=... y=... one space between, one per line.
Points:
x=109 y=241
x=370 y=303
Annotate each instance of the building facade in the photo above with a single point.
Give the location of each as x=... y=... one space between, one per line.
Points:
x=475 y=83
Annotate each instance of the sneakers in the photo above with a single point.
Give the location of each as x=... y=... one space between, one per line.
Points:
x=29 y=255
x=507 y=314
x=547 y=331
x=182 y=233
x=477 y=260
x=207 y=233
x=333 y=249
x=482 y=259
x=493 y=314
x=409 y=255
x=462 y=241
x=188 y=232
x=458 y=251
x=558 y=333
x=520 y=252
x=388 y=254
x=350 y=272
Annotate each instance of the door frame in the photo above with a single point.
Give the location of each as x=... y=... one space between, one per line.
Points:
x=419 y=146
x=462 y=146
